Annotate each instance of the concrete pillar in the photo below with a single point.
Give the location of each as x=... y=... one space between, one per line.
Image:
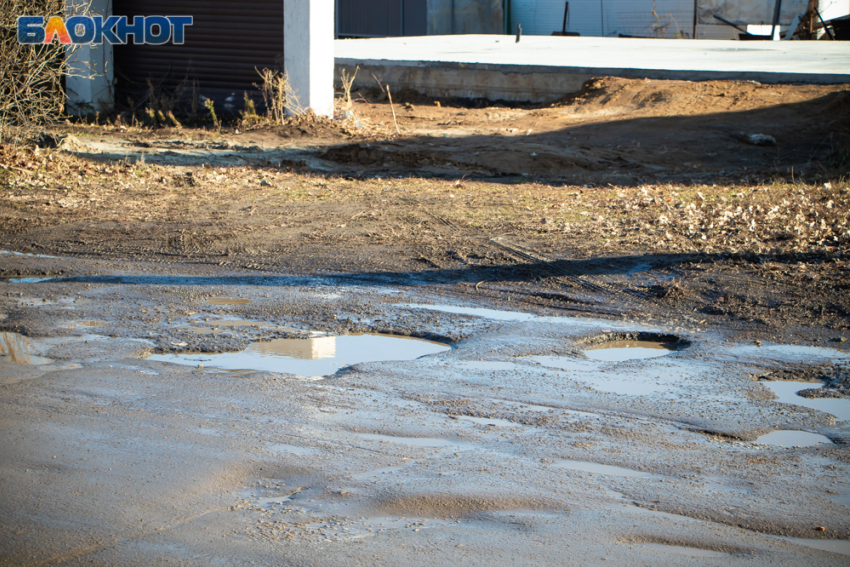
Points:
x=90 y=73
x=308 y=52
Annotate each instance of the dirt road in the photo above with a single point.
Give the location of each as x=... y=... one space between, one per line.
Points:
x=518 y=240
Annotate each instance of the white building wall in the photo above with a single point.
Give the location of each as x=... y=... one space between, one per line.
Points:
x=830 y=9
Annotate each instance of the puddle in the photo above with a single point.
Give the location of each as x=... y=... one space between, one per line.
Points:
x=28 y=280
x=16 y=349
x=318 y=356
x=227 y=301
x=800 y=353
x=475 y=311
x=622 y=383
x=786 y=393
x=789 y=438
x=682 y=550
x=9 y=252
x=432 y=442
x=487 y=421
x=87 y=323
x=832 y=545
x=273 y=500
x=293 y=449
x=619 y=351
x=608 y=470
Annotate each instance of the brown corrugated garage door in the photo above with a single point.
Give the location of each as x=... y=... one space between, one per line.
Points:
x=225 y=44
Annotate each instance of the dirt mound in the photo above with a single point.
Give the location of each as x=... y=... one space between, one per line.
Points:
x=367 y=154
x=312 y=127
x=644 y=97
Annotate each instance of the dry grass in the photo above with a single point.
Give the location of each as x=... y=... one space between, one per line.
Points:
x=279 y=96
x=762 y=219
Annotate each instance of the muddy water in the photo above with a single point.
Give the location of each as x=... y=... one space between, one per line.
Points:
x=786 y=393
x=783 y=438
x=232 y=301
x=87 y=323
x=318 y=356
x=17 y=349
x=619 y=351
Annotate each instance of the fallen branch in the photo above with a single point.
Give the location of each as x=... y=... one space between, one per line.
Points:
x=395 y=122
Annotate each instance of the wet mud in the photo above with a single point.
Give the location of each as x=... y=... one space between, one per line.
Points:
x=504 y=433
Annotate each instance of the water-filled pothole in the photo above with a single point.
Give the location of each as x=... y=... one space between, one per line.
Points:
x=791 y=438
x=786 y=393
x=17 y=349
x=28 y=280
x=319 y=356
x=87 y=324
x=618 y=347
x=24 y=254
x=232 y=301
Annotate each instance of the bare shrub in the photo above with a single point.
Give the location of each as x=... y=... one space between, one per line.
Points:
x=278 y=95
x=32 y=95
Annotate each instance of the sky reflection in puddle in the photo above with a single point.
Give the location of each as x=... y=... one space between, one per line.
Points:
x=790 y=438
x=318 y=356
x=786 y=393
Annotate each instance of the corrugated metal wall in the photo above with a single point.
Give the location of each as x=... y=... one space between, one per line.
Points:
x=381 y=18
x=223 y=46
x=605 y=17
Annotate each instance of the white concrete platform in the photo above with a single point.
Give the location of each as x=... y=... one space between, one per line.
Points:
x=542 y=68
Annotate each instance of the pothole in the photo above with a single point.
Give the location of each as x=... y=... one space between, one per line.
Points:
x=786 y=393
x=619 y=347
x=12 y=253
x=27 y=280
x=791 y=438
x=87 y=324
x=319 y=356
x=232 y=301
x=17 y=349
